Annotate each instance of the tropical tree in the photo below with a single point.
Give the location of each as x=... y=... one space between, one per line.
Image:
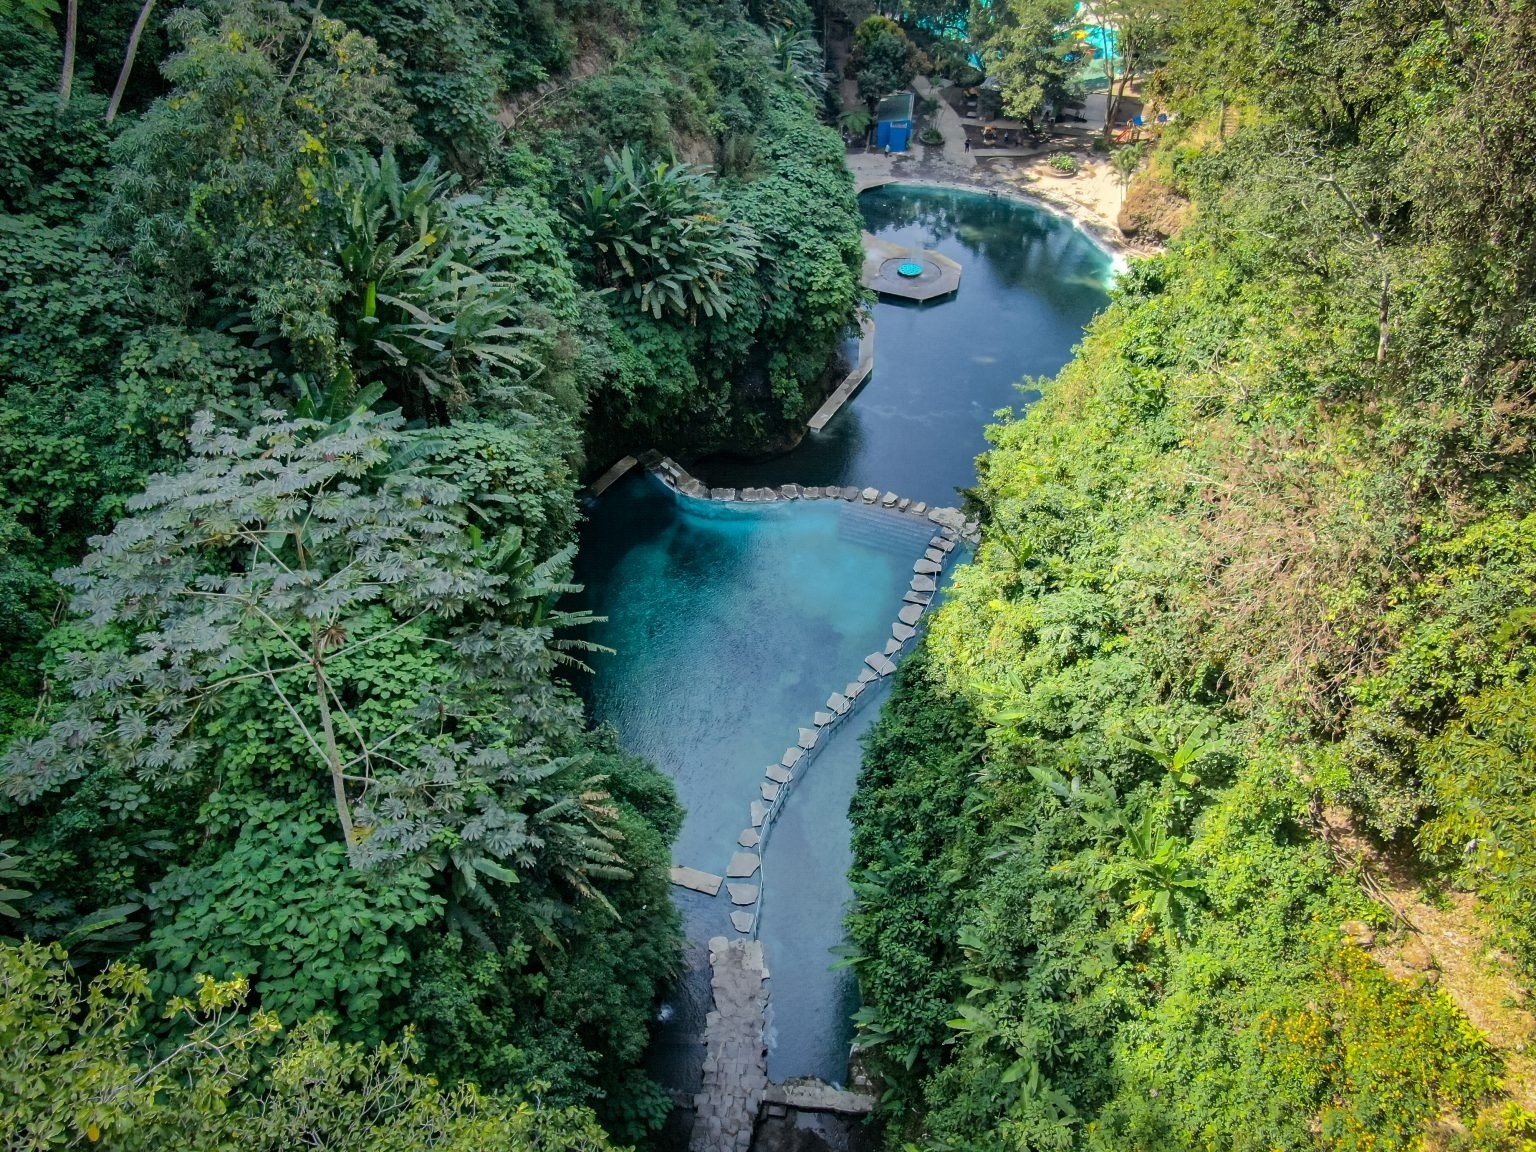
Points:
x=799 y=59
x=884 y=59
x=272 y=563
x=1143 y=30
x=1023 y=47
x=77 y=1074
x=656 y=236
x=428 y=304
x=1125 y=161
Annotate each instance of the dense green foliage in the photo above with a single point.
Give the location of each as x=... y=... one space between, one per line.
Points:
x=303 y=355
x=75 y=1074
x=1257 y=569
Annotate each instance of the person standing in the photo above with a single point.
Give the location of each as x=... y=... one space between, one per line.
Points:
x=967 y=142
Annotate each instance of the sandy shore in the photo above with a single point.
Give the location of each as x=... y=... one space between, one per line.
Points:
x=1091 y=198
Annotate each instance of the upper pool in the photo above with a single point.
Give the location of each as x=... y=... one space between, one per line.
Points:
x=733 y=623
x=1031 y=281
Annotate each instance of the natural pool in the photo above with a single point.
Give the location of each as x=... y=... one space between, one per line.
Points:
x=1031 y=281
x=733 y=623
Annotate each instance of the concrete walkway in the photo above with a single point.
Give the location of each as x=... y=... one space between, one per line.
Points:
x=947 y=121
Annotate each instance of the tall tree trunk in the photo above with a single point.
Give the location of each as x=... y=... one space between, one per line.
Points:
x=128 y=56
x=67 y=76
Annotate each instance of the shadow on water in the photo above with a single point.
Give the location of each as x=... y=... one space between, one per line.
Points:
x=733 y=622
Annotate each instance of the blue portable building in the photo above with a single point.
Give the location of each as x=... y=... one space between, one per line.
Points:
x=893 y=122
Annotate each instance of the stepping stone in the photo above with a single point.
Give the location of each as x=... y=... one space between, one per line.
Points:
x=791 y=757
x=903 y=632
x=923 y=584
x=824 y=718
x=856 y=689
x=889 y=500
x=893 y=646
x=926 y=568
x=910 y=613
x=942 y=544
x=749 y=838
x=743 y=865
x=759 y=813
x=704 y=882
x=808 y=738
x=810 y=493
x=921 y=599
x=838 y=703
x=742 y=894
x=903 y=504
x=743 y=921
x=951 y=518
x=849 y=493
x=722 y=493
x=866 y=675
x=948 y=532
x=770 y=791
x=881 y=664
x=789 y=491
x=870 y=495
x=935 y=555
x=918 y=509
x=779 y=774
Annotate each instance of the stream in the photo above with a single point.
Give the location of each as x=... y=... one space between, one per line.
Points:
x=732 y=623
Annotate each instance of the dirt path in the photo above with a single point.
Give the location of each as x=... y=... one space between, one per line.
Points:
x=1444 y=942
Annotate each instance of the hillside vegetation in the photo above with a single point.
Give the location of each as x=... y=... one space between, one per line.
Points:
x=1244 y=666
x=310 y=327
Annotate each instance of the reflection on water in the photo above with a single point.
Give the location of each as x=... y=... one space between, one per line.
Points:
x=942 y=369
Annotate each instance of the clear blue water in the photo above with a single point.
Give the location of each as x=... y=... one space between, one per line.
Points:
x=733 y=622
x=1030 y=282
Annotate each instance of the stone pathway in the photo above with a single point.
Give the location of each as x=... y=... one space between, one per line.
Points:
x=736 y=1064
x=947 y=121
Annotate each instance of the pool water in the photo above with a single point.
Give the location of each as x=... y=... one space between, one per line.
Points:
x=732 y=623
